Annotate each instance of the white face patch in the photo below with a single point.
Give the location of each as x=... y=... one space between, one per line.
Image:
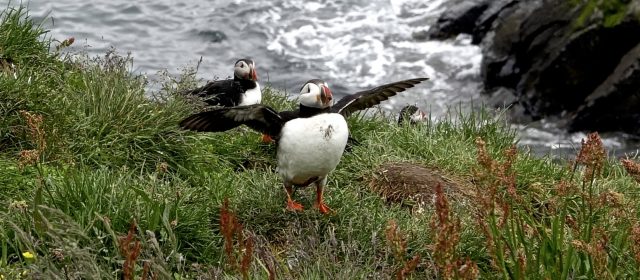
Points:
x=242 y=70
x=310 y=96
x=418 y=116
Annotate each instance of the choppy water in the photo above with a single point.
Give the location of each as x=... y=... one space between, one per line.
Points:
x=354 y=45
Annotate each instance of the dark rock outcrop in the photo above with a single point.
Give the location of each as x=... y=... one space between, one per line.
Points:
x=473 y=17
x=485 y=21
x=461 y=17
x=615 y=104
x=557 y=60
x=554 y=68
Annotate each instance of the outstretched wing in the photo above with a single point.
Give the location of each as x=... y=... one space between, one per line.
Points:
x=368 y=98
x=258 y=117
x=216 y=93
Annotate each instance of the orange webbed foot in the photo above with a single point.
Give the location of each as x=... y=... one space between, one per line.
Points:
x=266 y=138
x=323 y=208
x=294 y=206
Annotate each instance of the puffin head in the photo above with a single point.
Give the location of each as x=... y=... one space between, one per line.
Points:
x=413 y=114
x=316 y=93
x=245 y=69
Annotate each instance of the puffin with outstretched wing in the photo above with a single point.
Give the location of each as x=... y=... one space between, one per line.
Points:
x=310 y=140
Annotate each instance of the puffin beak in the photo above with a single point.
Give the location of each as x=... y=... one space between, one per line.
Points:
x=326 y=96
x=254 y=74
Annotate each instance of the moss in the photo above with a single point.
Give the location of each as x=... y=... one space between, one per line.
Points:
x=613 y=11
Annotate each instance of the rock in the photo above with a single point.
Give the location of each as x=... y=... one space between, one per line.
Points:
x=569 y=68
x=214 y=36
x=501 y=47
x=460 y=17
x=555 y=65
x=615 y=104
x=473 y=17
x=566 y=60
x=505 y=98
x=486 y=20
x=421 y=35
x=502 y=97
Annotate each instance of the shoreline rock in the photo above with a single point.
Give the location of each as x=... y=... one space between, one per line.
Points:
x=556 y=59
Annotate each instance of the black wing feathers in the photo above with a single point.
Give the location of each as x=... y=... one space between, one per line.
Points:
x=218 y=93
x=289 y=115
x=368 y=98
x=258 y=117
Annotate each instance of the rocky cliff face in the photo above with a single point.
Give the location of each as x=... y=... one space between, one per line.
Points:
x=560 y=58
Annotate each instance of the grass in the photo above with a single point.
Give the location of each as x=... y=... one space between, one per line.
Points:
x=98 y=182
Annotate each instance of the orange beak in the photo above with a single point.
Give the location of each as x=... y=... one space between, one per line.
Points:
x=326 y=95
x=254 y=74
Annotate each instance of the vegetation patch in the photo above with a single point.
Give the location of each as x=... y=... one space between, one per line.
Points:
x=609 y=13
x=414 y=184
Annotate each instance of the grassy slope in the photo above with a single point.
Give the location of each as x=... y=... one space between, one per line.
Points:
x=106 y=155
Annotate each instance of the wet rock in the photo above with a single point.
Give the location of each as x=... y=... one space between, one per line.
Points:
x=502 y=97
x=558 y=59
x=488 y=17
x=564 y=74
x=505 y=98
x=473 y=17
x=421 y=35
x=615 y=104
x=555 y=65
x=214 y=36
x=460 y=17
x=501 y=48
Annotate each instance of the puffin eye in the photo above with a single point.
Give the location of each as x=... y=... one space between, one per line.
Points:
x=308 y=89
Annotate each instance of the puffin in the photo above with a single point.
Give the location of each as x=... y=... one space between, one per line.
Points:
x=412 y=114
x=242 y=90
x=310 y=140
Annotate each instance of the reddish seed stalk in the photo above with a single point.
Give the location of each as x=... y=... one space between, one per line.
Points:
x=497 y=197
x=232 y=229
x=227 y=227
x=408 y=268
x=395 y=240
x=36 y=133
x=247 y=257
x=632 y=168
x=634 y=236
x=447 y=235
x=592 y=155
x=130 y=249
x=145 y=270
x=36 y=129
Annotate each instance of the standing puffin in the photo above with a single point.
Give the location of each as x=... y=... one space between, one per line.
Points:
x=310 y=140
x=242 y=90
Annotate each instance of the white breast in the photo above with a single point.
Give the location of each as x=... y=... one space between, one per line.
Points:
x=252 y=96
x=311 y=147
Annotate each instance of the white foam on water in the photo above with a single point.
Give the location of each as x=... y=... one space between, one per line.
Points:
x=431 y=8
x=355 y=45
x=546 y=137
x=367 y=45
